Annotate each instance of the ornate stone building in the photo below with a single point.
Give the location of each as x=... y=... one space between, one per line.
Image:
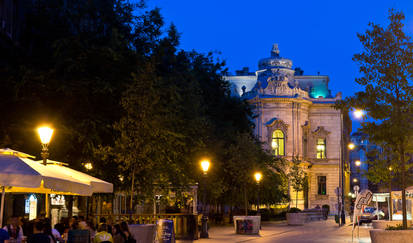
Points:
x=296 y=117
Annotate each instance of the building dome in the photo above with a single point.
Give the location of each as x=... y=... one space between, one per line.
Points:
x=275 y=61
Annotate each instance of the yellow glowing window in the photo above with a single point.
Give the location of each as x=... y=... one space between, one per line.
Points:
x=277 y=143
x=321 y=148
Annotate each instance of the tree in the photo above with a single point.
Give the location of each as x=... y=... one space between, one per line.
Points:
x=69 y=68
x=382 y=169
x=122 y=95
x=386 y=67
x=297 y=177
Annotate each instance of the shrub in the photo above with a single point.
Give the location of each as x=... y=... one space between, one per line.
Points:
x=294 y=210
x=397 y=227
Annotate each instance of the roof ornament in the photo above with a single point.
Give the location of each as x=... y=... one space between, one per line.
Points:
x=275 y=52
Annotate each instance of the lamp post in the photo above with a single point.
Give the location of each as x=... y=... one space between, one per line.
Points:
x=205 y=163
x=258 y=177
x=45 y=134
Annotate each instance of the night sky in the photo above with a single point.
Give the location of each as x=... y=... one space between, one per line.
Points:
x=318 y=36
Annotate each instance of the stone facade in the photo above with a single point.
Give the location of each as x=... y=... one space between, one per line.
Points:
x=302 y=108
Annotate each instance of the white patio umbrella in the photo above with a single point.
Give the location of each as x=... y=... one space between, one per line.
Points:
x=21 y=174
x=97 y=185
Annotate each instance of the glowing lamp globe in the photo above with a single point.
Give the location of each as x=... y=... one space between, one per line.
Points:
x=358 y=113
x=205 y=165
x=45 y=134
x=357 y=162
x=88 y=166
x=351 y=146
x=258 y=177
x=355 y=180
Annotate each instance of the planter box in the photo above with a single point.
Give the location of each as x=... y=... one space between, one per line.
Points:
x=296 y=218
x=143 y=233
x=248 y=225
x=382 y=224
x=387 y=236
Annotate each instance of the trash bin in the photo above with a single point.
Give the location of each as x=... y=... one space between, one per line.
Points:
x=247 y=225
x=165 y=231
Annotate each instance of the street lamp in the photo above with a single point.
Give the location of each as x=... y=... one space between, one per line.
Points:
x=357 y=162
x=205 y=163
x=45 y=134
x=205 y=166
x=355 y=180
x=358 y=113
x=258 y=177
x=351 y=146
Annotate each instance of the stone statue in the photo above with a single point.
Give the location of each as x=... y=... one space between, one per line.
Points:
x=275 y=52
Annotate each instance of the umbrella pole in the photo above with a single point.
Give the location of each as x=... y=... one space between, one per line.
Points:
x=3 y=194
x=47 y=209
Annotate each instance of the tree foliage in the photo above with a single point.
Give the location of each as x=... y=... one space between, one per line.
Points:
x=121 y=94
x=297 y=177
x=386 y=67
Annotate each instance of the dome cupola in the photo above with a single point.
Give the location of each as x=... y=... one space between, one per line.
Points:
x=275 y=61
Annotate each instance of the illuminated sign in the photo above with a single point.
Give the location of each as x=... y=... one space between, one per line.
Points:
x=32 y=207
x=57 y=199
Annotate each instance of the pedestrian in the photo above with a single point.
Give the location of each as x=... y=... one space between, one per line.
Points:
x=118 y=235
x=103 y=235
x=38 y=234
x=82 y=223
x=125 y=229
x=92 y=230
x=4 y=236
x=61 y=225
x=47 y=229
x=14 y=229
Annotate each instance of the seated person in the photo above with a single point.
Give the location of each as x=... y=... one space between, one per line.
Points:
x=38 y=234
x=103 y=235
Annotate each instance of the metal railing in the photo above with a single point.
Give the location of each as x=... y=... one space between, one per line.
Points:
x=185 y=225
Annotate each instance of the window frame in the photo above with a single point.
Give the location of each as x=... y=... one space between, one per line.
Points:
x=321 y=185
x=277 y=140
x=321 y=153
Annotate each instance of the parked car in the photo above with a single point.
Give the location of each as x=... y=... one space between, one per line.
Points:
x=370 y=214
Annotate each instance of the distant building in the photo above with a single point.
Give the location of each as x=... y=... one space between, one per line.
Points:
x=359 y=161
x=296 y=117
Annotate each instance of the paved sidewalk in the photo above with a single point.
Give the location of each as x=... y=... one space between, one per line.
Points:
x=317 y=231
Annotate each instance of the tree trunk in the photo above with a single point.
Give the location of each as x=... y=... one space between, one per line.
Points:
x=404 y=208
x=390 y=203
x=296 y=198
x=132 y=189
x=245 y=201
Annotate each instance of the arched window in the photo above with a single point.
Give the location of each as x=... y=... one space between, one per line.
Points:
x=278 y=143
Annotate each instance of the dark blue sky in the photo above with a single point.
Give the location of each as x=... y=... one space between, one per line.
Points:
x=319 y=36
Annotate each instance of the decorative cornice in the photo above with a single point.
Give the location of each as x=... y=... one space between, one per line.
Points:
x=320 y=132
x=274 y=122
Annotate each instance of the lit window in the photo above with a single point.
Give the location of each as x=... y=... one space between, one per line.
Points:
x=322 y=185
x=321 y=148
x=277 y=143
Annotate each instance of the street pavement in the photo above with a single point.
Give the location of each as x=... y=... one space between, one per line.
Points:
x=316 y=231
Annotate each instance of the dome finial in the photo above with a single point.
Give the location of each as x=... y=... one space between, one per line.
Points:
x=275 y=52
